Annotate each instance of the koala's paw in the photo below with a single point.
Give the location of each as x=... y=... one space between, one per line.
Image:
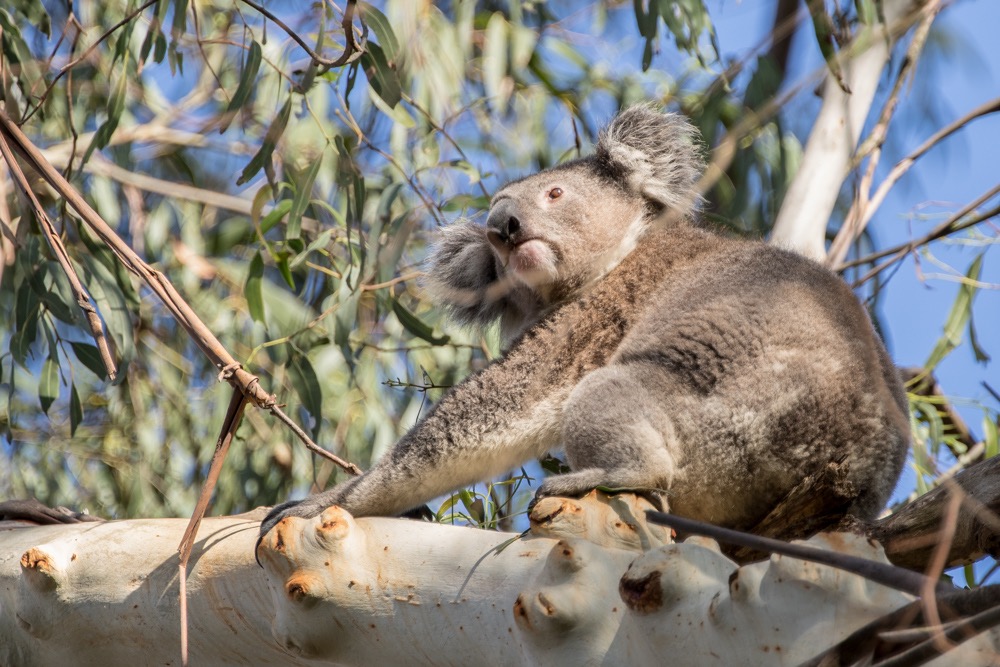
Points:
x=577 y=484
x=305 y=509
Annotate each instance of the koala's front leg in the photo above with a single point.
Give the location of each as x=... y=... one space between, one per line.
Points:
x=617 y=435
x=492 y=422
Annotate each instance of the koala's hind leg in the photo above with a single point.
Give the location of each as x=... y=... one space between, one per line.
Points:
x=616 y=434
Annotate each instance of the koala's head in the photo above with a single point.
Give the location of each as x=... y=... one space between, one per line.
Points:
x=565 y=227
x=553 y=233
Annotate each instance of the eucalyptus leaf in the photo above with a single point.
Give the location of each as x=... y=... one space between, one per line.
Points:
x=252 y=289
x=48 y=383
x=268 y=145
x=383 y=30
x=307 y=386
x=416 y=326
x=90 y=357
x=248 y=79
x=75 y=410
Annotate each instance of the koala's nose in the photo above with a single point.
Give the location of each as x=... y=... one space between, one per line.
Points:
x=502 y=224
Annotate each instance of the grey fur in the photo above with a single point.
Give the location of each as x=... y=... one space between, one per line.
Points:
x=723 y=371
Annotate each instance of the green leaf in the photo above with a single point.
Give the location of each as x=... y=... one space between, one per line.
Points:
x=20 y=343
x=252 y=291
x=346 y=315
x=268 y=144
x=58 y=296
x=991 y=437
x=147 y=42
x=867 y=12
x=90 y=357
x=416 y=326
x=763 y=84
x=473 y=505
x=522 y=46
x=824 y=29
x=116 y=104
x=275 y=215
x=383 y=31
x=958 y=317
x=48 y=384
x=398 y=113
x=495 y=59
x=306 y=385
x=281 y=260
x=180 y=18
x=14 y=46
x=381 y=75
x=247 y=80
x=981 y=355
x=300 y=202
x=160 y=48
x=75 y=409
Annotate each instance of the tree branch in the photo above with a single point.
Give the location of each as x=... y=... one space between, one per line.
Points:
x=352 y=50
x=804 y=215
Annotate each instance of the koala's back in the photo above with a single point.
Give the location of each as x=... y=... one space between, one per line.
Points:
x=769 y=369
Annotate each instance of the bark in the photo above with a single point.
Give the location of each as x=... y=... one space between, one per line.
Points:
x=591 y=583
x=913 y=533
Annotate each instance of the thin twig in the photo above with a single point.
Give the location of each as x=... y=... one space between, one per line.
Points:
x=943 y=230
x=390 y=283
x=939 y=231
x=312 y=446
x=856 y=222
x=939 y=559
x=954 y=634
x=237 y=404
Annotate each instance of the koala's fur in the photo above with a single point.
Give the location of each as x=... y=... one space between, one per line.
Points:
x=722 y=371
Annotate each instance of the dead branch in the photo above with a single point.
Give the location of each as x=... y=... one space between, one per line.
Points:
x=910 y=535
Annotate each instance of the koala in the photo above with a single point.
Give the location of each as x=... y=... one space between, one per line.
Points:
x=657 y=354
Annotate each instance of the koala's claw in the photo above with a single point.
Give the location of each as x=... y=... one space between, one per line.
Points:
x=653 y=496
x=277 y=513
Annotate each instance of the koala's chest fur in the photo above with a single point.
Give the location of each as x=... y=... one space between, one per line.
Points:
x=628 y=306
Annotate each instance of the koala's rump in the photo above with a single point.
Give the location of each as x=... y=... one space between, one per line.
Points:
x=768 y=369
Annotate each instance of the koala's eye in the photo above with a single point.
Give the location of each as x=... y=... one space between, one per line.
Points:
x=555 y=193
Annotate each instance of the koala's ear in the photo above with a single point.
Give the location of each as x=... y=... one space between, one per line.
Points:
x=653 y=154
x=459 y=272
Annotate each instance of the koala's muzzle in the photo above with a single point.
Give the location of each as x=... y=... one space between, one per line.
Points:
x=503 y=228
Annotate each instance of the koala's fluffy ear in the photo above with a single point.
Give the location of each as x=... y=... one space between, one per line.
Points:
x=459 y=272
x=653 y=154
